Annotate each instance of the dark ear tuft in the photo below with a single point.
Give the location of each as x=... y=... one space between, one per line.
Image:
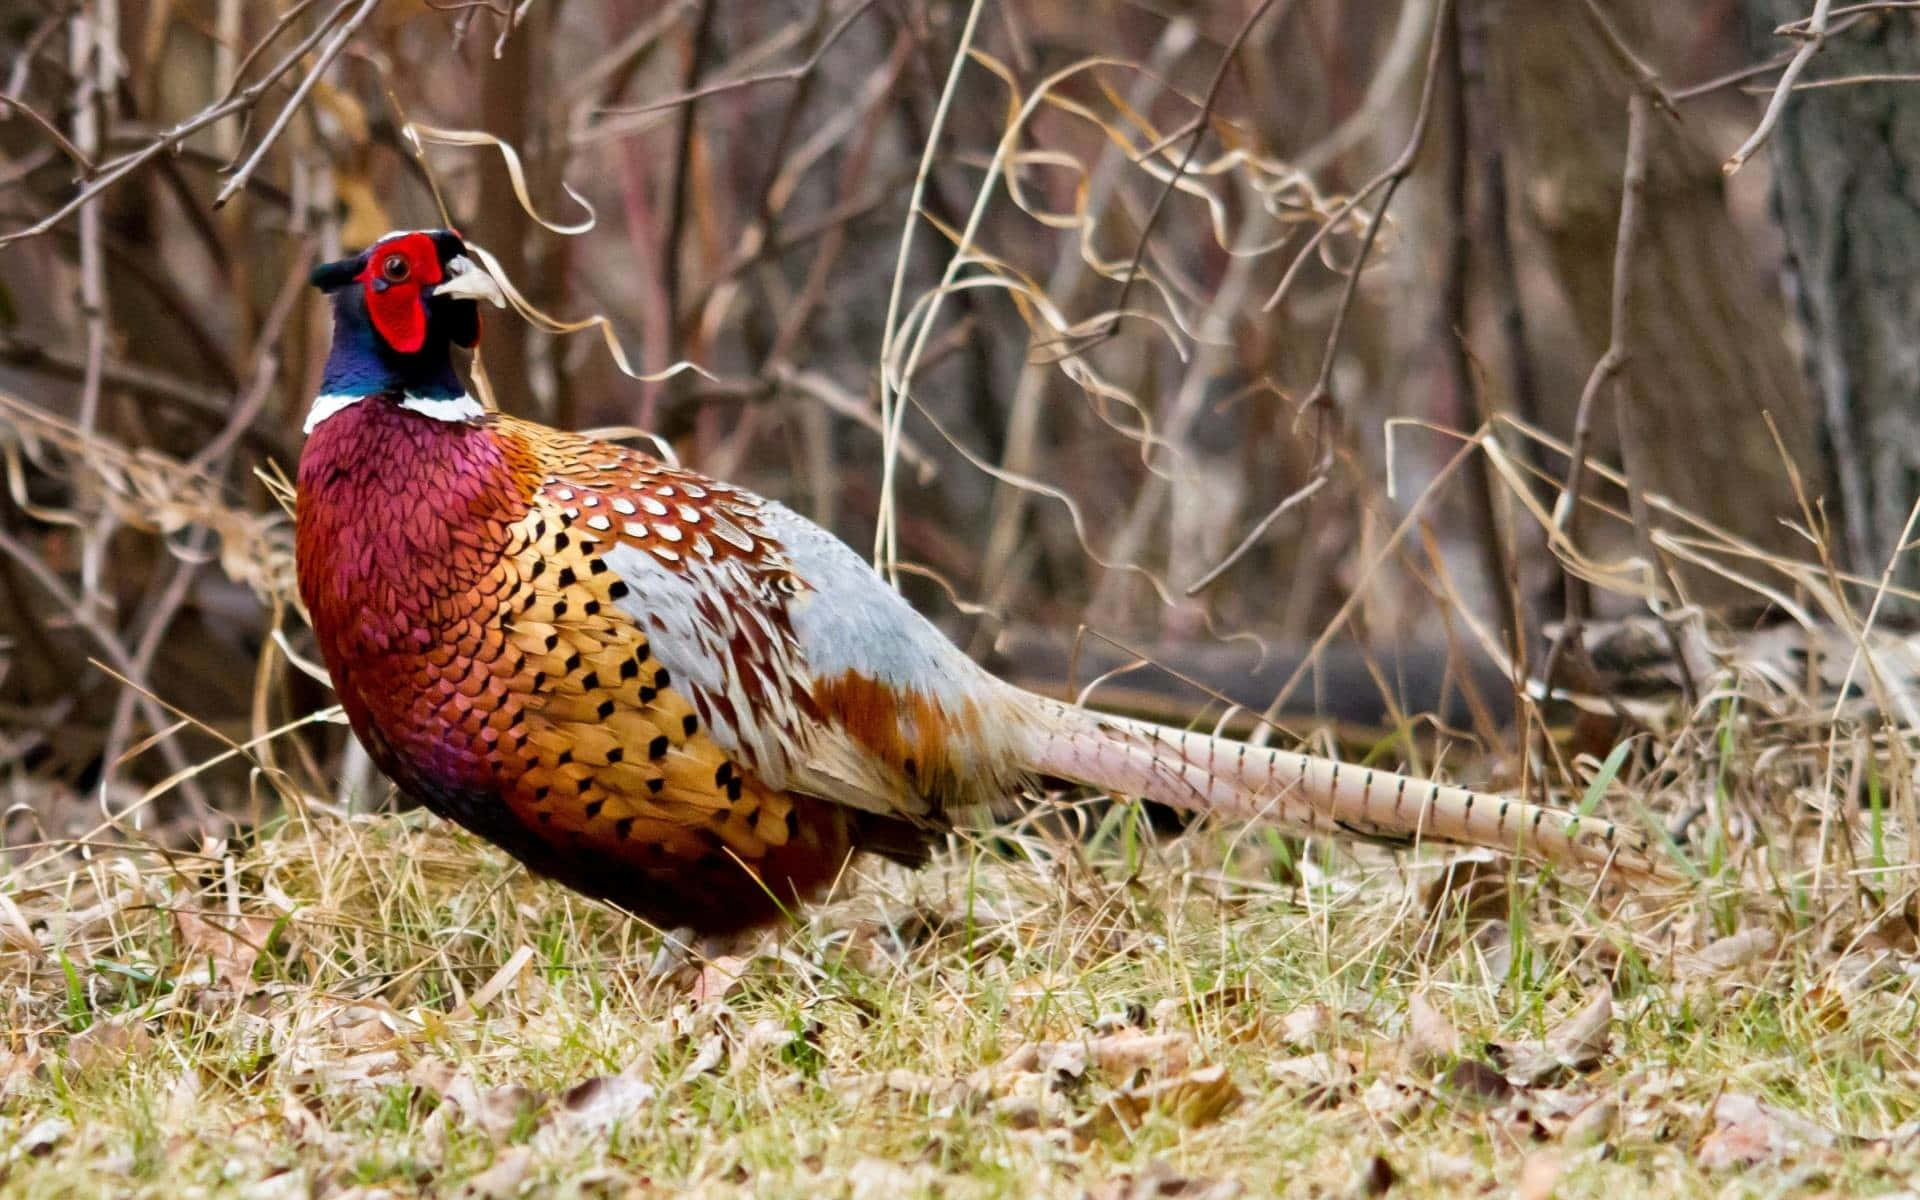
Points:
x=448 y=244
x=331 y=277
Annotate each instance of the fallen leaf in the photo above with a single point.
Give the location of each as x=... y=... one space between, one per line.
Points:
x=1306 y=1025
x=106 y=1044
x=1472 y=1079
x=1729 y=953
x=229 y=945
x=1158 y=1181
x=39 y=1140
x=504 y=1179
x=1474 y=884
x=1748 y=1131
x=1539 y=1175
x=1376 y=1177
x=1579 y=1043
x=287 y=1185
x=496 y=1111
x=1431 y=1039
x=1316 y=1080
x=598 y=1104
x=1591 y=1125
x=1194 y=1099
x=1116 y=1056
x=718 y=977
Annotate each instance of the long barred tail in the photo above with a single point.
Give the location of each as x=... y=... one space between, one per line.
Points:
x=1311 y=795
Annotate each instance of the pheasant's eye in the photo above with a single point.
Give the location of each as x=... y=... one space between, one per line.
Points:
x=394 y=268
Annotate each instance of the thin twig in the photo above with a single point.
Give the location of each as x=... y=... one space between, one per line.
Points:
x=1607 y=370
x=325 y=59
x=1815 y=33
x=1388 y=179
x=682 y=178
x=799 y=70
x=1642 y=76
x=80 y=157
x=113 y=170
x=1199 y=124
x=1320 y=399
x=93 y=56
x=892 y=408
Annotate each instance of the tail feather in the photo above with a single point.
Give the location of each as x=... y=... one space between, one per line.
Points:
x=1312 y=795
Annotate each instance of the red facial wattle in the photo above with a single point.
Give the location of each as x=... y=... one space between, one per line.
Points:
x=395 y=274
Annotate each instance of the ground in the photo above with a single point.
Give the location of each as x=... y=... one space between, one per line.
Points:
x=383 y=1006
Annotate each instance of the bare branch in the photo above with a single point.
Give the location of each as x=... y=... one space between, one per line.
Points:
x=327 y=55
x=1815 y=32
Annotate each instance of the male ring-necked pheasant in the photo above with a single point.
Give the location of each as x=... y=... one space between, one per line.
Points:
x=647 y=684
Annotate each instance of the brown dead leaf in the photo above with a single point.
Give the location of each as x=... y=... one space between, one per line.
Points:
x=1431 y=1039
x=504 y=1179
x=1729 y=954
x=1117 y=1057
x=1474 y=1080
x=597 y=1105
x=1475 y=884
x=1391 y=1103
x=221 y=946
x=1577 y=1044
x=1158 y=1181
x=1748 y=1131
x=496 y=1111
x=1306 y=1025
x=106 y=1044
x=718 y=977
x=1316 y=1080
x=1376 y=1177
x=17 y=1070
x=1194 y=1099
x=1539 y=1175
x=1592 y=1125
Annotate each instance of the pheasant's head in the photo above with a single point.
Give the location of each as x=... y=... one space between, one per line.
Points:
x=399 y=308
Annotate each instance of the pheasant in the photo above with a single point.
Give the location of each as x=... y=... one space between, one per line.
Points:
x=673 y=695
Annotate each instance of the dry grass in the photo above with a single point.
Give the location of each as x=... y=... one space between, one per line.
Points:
x=381 y=1005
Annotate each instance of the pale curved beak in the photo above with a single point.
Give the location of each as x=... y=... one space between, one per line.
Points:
x=468 y=280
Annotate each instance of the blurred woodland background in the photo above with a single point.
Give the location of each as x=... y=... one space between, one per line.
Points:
x=1237 y=287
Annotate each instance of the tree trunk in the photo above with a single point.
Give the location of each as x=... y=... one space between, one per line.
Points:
x=1708 y=358
x=1845 y=159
